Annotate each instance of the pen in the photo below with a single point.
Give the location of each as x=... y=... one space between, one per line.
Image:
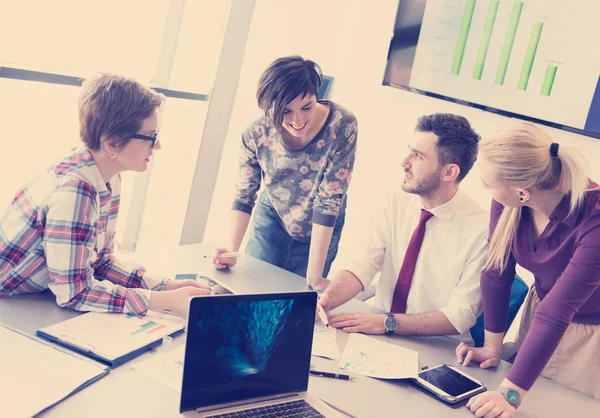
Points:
x=323 y=316
x=332 y=375
x=321 y=312
x=224 y=255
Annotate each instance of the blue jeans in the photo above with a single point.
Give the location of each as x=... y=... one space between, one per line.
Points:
x=270 y=242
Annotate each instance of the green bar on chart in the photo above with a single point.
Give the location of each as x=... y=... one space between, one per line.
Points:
x=462 y=36
x=485 y=39
x=148 y=324
x=137 y=331
x=509 y=40
x=549 y=79
x=534 y=40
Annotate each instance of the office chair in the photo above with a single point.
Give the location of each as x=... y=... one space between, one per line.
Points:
x=518 y=292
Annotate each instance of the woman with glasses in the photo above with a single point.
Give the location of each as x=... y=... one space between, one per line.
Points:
x=302 y=150
x=58 y=233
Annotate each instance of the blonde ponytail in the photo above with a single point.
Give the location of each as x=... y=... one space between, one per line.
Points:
x=575 y=175
x=521 y=157
x=501 y=243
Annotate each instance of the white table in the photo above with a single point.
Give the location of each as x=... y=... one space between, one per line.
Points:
x=126 y=392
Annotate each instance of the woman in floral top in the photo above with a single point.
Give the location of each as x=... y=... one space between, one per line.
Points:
x=303 y=150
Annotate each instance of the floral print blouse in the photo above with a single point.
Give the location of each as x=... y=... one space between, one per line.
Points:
x=304 y=185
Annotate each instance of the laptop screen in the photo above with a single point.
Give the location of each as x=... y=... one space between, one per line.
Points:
x=247 y=346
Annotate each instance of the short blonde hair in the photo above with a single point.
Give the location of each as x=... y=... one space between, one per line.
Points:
x=113 y=107
x=522 y=159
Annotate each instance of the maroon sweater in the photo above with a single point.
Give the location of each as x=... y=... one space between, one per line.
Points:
x=565 y=261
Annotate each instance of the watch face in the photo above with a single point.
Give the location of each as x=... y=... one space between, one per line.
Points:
x=512 y=396
x=391 y=323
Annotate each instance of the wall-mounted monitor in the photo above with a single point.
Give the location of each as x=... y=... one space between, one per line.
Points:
x=325 y=88
x=537 y=60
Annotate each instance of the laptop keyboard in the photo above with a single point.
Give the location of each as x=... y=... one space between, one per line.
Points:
x=293 y=409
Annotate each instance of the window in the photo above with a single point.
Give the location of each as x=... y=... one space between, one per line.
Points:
x=170 y=44
x=81 y=38
x=39 y=124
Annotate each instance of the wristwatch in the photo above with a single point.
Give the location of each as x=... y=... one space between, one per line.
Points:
x=390 y=323
x=511 y=395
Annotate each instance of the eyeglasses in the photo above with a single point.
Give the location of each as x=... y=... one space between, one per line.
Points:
x=146 y=138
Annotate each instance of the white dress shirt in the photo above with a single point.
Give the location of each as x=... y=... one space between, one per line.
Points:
x=449 y=266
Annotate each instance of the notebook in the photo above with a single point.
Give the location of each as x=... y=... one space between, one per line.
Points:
x=113 y=338
x=35 y=375
x=249 y=355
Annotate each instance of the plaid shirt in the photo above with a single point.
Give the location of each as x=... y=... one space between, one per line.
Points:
x=59 y=233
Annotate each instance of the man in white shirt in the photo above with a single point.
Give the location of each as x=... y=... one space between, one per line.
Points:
x=428 y=241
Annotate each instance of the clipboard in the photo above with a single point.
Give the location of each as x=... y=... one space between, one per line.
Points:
x=113 y=338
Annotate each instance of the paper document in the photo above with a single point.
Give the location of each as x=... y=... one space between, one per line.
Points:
x=166 y=317
x=111 y=335
x=324 y=342
x=370 y=357
x=164 y=367
x=35 y=375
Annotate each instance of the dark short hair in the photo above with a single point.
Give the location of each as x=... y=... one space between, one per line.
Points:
x=113 y=107
x=457 y=142
x=284 y=80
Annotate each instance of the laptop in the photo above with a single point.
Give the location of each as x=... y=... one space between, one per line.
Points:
x=249 y=356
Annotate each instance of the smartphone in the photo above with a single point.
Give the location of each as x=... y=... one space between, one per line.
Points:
x=195 y=276
x=190 y=276
x=448 y=384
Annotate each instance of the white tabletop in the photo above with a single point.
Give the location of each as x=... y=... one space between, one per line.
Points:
x=126 y=392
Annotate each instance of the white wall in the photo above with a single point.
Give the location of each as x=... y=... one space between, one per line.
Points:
x=349 y=39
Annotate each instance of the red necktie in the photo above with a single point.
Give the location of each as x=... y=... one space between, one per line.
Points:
x=408 y=265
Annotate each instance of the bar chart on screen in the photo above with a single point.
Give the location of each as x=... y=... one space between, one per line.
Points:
x=535 y=57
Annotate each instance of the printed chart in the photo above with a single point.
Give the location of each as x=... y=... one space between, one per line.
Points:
x=164 y=367
x=111 y=335
x=324 y=342
x=370 y=357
